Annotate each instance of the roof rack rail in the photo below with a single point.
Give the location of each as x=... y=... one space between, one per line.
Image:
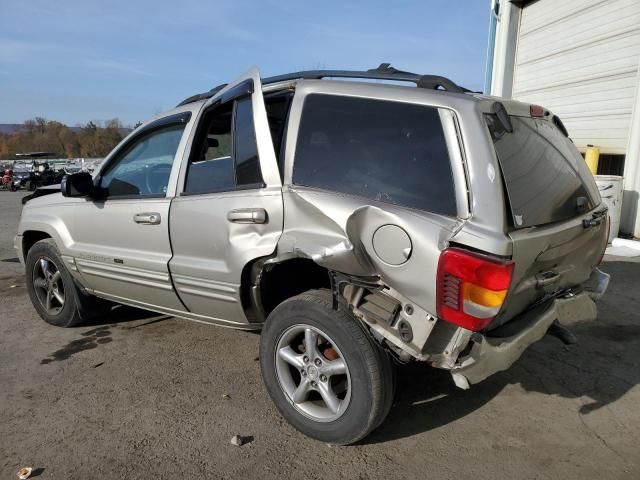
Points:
x=383 y=72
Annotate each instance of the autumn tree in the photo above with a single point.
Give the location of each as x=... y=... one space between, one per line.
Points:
x=41 y=135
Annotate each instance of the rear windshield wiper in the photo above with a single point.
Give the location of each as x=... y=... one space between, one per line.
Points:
x=596 y=218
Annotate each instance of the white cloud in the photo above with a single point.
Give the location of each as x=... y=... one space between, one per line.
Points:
x=115 y=65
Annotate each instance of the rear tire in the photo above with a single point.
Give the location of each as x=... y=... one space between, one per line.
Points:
x=323 y=371
x=53 y=292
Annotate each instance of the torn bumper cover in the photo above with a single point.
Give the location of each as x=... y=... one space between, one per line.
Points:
x=490 y=355
x=17 y=246
x=597 y=284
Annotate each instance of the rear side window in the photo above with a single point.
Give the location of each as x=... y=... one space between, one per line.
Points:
x=380 y=150
x=246 y=158
x=546 y=178
x=224 y=155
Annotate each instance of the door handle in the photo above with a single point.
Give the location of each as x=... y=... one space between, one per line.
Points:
x=248 y=215
x=147 y=218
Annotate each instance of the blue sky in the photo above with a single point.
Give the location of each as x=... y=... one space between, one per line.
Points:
x=79 y=60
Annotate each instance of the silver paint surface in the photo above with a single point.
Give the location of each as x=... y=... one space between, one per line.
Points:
x=190 y=264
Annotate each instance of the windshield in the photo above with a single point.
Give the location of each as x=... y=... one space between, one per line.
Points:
x=546 y=178
x=22 y=167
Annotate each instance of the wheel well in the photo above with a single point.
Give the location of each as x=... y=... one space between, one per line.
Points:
x=287 y=279
x=29 y=239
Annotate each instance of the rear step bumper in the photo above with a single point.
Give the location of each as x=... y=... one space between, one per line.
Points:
x=490 y=355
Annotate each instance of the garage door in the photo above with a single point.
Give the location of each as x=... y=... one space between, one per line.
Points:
x=580 y=58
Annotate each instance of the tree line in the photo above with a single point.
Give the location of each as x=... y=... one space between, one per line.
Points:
x=91 y=140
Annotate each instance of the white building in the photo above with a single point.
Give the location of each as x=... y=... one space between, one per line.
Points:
x=580 y=59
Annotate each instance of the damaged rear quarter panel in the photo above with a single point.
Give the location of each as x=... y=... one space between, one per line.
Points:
x=337 y=230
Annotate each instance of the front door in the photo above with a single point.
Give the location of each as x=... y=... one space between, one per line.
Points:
x=228 y=210
x=121 y=240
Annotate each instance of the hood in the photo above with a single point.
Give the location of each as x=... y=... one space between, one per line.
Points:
x=48 y=190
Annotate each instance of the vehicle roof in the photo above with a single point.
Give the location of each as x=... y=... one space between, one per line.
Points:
x=383 y=72
x=368 y=83
x=513 y=107
x=386 y=91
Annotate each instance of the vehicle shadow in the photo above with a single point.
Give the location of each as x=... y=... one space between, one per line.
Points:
x=599 y=370
x=125 y=314
x=427 y=398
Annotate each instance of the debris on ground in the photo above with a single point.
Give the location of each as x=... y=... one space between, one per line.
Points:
x=226 y=396
x=24 y=473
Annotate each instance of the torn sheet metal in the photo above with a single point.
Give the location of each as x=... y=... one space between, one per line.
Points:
x=337 y=232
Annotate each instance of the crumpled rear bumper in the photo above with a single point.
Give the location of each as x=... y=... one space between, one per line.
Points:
x=490 y=355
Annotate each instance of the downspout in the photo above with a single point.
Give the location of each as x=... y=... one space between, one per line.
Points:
x=630 y=221
x=504 y=55
x=491 y=45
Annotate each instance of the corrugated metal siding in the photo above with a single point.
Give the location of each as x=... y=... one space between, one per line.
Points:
x=579 y=58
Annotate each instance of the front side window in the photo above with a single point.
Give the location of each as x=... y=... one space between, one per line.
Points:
x=381 y=150
x=143 y=168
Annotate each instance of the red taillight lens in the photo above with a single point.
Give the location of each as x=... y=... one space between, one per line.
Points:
x=536 y=111
x=471 y=287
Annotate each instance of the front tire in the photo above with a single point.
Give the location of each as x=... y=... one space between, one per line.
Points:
x=324 y=373
x=54 y=294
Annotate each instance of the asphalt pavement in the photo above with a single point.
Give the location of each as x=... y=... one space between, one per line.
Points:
x=138 y=395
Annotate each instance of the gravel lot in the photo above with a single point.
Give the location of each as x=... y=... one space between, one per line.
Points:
x=141 y=396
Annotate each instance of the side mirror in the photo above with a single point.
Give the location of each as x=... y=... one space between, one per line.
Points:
x=77 y=185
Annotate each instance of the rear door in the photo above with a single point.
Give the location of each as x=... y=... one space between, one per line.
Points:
x=228 y=210
x=559 y=226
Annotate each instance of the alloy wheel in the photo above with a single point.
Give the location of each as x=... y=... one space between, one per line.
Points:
x=48 y=285
x=313 y=373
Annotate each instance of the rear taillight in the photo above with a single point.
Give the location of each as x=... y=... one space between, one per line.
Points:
x=536 y=111
x=471 y=287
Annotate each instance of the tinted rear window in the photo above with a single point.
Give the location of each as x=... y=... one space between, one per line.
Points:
x=545 y=176
x=385 y=151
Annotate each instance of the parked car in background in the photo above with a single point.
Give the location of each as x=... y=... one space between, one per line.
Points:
x=7 y=179
x=22 y=173
x=72 y=166
x=358 y=225
x=32 y=174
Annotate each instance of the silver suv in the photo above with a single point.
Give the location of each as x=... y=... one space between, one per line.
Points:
x=357 y=224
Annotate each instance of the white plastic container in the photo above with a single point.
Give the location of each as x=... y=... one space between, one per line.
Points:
x=610 y=187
